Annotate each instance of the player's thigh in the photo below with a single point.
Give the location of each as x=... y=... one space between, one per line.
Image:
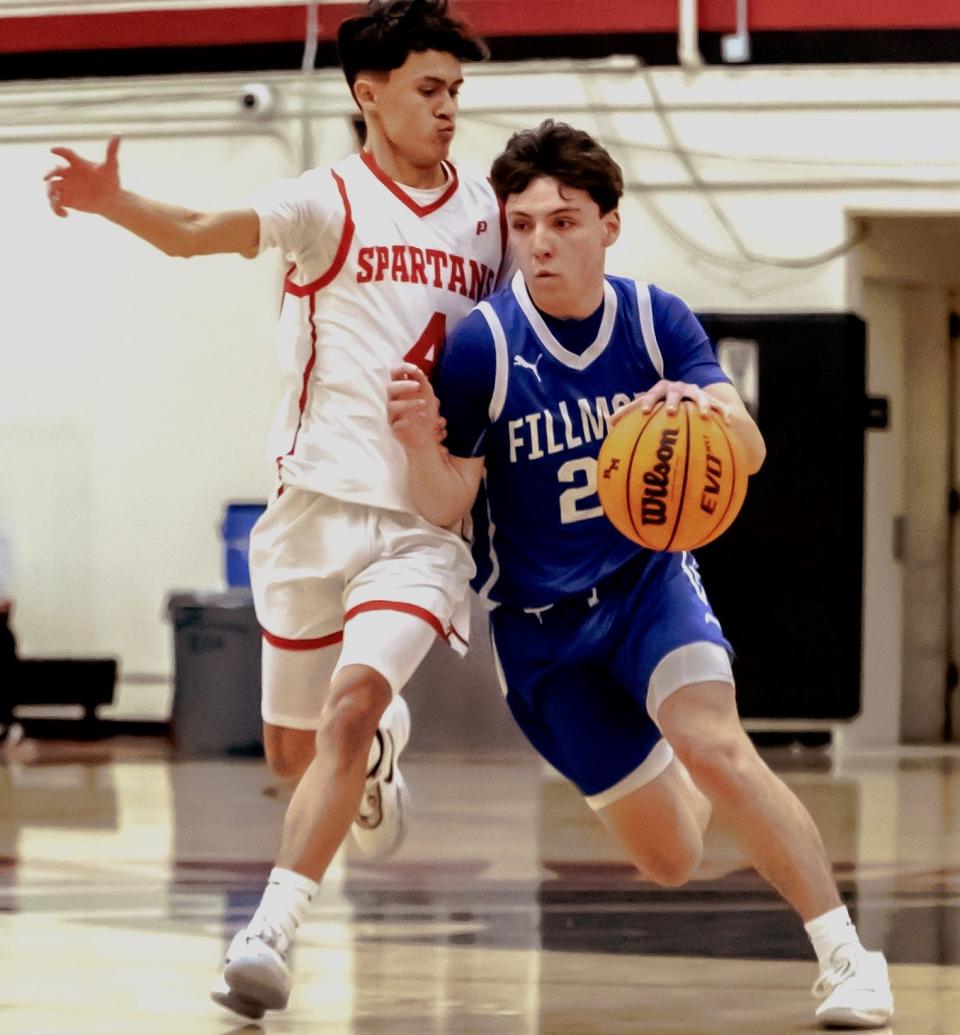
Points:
x=569 y=705
x=387 y=640
x=701 y=722
x=660 y=825
x=418 y=570
x=295 y=684
x=303 y=551
x=670 y=637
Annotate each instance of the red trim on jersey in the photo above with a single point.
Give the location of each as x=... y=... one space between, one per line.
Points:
x=398 y=605
x=314 y=644
x=462 y=639
x=346 y=237
x=307 y=371
x=421 y=210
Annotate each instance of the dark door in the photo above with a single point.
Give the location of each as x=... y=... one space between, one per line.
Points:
x=786 y=579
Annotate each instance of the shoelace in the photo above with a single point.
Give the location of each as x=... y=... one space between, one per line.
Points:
x=836 y=975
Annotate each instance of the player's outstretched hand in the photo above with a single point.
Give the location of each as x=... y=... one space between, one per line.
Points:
x=670 y=393
x=81 y=184
x=413 y=410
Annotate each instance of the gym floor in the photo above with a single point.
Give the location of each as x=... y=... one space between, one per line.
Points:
x=124 y=872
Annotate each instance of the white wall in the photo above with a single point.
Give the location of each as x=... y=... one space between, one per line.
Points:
x=136 y=390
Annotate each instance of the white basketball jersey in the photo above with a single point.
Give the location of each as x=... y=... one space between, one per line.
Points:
x=377 y=278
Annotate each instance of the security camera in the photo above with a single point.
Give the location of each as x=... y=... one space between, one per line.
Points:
x=257 y=99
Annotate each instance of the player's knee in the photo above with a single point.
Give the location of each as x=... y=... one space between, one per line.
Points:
x=671 y=869
x=350 y=719
x=719 y=763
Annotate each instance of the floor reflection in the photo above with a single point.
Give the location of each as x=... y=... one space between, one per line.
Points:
x=509 y=909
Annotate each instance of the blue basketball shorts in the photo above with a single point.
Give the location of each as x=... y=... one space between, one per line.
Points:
x=577 y=674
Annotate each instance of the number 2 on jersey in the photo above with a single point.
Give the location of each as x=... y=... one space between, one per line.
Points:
x=426 y=349
x=570 y=498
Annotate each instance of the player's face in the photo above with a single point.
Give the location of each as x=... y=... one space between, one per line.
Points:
x=414 y=108
x=560 y=240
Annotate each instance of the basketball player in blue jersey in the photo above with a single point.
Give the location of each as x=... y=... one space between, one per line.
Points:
x=610 y=656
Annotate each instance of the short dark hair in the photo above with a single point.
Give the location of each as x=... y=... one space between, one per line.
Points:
x=569 y=155
x=391 y=30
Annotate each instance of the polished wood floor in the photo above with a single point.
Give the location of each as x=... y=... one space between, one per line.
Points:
x=123 y=873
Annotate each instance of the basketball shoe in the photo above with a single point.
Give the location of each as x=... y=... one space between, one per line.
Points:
x=256 y=977
x=381 y=823
x=855 y=990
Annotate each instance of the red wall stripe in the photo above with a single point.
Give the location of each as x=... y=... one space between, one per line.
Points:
x=279 y=24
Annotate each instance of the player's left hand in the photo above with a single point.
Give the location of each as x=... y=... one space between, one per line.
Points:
x=413 y=410
x=670 y=393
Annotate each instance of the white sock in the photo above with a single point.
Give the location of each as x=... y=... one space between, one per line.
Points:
x=829 y=931
x=285 y=901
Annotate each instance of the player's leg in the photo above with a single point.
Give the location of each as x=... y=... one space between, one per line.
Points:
x=701 y=723
x=660 y=825
x=385 y=636
x=783 y=843
x=421 y=574
x=294 y=684
x=589 y=727
x=325 y=802
x=691 y=697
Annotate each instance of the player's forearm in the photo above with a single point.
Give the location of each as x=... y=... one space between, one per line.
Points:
x=439 y=490
x=174 y=230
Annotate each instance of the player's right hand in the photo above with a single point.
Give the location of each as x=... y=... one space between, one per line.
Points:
x=413 y=410
x=81 y=184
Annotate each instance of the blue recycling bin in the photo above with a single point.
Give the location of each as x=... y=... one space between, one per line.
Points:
x=238 y=520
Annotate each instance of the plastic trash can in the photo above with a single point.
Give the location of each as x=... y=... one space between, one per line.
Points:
x=238 y=520
x=216 y=693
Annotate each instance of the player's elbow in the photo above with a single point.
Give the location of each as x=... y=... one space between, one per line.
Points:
x=440 y=514
x=190 y=238
x=443 y=509
x=756 y=454
x=179 y=250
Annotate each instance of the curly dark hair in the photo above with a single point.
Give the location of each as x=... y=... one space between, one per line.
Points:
x=382 y=39
x=569 y=155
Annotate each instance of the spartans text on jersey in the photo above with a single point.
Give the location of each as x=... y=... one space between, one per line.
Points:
x=407 y=264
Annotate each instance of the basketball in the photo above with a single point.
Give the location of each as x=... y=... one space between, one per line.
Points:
x=671 y=481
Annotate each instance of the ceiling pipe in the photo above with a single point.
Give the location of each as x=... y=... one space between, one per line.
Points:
x=688 y=36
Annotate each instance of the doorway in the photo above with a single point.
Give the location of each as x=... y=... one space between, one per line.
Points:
x=907 y=287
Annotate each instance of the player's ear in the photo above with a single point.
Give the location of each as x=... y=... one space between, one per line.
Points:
x=365 y=92
x=611 y=227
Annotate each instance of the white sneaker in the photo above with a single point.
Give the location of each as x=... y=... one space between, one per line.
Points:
x=855 y=991
x=256 y=977
x=381 y=824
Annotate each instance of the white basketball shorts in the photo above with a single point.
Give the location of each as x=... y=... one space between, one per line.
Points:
x=338 y=583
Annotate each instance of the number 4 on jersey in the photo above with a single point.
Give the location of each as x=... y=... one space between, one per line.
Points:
x=426 y=349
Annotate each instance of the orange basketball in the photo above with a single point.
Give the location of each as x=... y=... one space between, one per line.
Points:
x=671 y=481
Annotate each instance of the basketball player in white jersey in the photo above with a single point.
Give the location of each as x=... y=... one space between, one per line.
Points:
x=610 y=656
x=391 y=248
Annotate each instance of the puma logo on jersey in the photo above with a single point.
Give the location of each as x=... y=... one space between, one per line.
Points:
x=519 y=361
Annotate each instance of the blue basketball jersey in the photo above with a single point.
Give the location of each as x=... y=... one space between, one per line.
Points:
x=537 y=411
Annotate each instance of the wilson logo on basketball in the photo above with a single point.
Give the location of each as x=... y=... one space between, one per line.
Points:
x=656 y=481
